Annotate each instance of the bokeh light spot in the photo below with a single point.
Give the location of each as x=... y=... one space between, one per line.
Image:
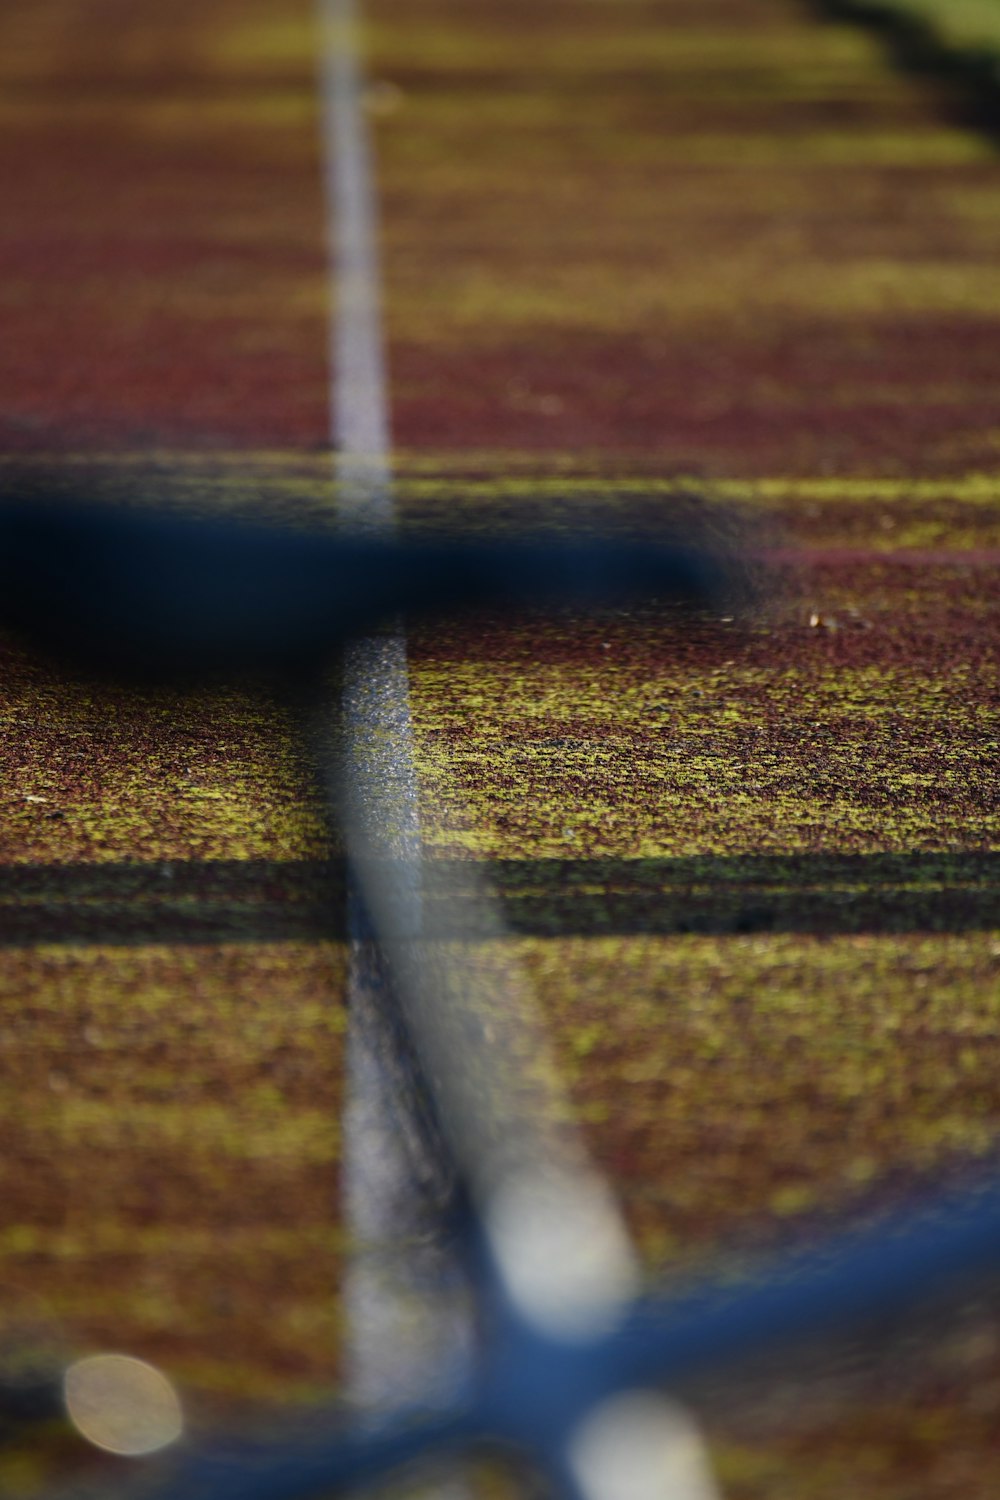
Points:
x=122 y=1405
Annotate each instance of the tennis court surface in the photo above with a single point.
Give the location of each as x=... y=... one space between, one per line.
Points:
x=638 y=262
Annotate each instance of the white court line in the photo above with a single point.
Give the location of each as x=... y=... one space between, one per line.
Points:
x=395 y=1328
x=382 y=818
x=360 y=410
x=555 y=1233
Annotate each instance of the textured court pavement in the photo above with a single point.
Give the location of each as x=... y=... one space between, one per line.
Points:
x=630 y=251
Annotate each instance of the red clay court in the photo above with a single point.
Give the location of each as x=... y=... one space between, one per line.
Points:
x=630 y=254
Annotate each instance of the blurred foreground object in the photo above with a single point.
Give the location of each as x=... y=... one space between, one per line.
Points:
x=122 y=1405
x=153 y=593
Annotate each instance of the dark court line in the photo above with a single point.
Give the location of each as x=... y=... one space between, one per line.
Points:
x=227 y=901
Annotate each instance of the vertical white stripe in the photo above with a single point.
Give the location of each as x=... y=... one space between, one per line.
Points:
x=360 y=415
x=398 y=1329
x=401 y=1329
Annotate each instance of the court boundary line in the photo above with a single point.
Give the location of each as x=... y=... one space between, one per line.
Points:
x=530 y=1183
x=382 y=1161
